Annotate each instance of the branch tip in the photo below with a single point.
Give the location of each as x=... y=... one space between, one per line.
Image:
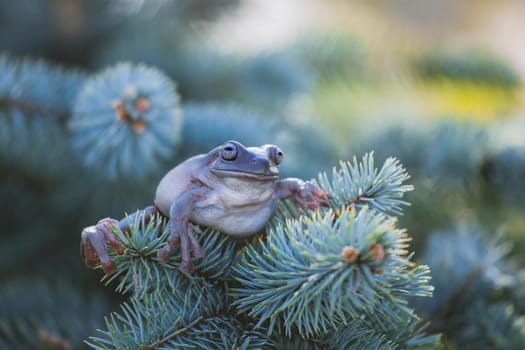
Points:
x=378 y=252
x=130 y=91
x=350 y=254
x=138 y=126
x=142 y=104
x=120 y=111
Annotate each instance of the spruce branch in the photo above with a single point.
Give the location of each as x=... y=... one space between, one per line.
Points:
x=469 y=275
x=126 y=121
x=465 y=266
x=35 y=156
x=33 y=152
x=492 y=326
x=302 y=278
x=160 y=321
x=357 y=184
x=39 y=314
x=36 y=89
x=454 y=154
x=370 y=332
x=297 y=343
x=361 y=184
x=139 y=271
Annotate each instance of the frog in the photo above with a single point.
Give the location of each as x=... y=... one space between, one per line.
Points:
x=233 y=189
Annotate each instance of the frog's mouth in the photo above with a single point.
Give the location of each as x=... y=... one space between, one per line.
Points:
x=245 y=174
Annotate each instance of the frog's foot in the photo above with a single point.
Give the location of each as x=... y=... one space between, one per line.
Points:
x=93 y=244
x=187 y=239
x=186 y=267
x=183 y=233
x=309 y=195
x=166 y=251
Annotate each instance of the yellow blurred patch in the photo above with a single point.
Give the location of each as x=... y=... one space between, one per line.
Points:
x=346 y=108
x=466 y=100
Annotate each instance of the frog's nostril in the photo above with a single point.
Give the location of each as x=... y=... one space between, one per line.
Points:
x=260 y=162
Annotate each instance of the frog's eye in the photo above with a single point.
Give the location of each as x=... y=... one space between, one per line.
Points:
x=229 y=151
x=277 y=155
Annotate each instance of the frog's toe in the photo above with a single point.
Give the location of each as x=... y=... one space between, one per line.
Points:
x=164 y=253
x=109 y=267
x=199 y=252
x=315 y=196
x=105 y=229
x=87 y=251
x=186 y=267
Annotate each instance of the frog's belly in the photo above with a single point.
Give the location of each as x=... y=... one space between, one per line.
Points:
x=238 y=222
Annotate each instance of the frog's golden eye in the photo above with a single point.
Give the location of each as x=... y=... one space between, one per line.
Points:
x=277 y=155
x=229 y=151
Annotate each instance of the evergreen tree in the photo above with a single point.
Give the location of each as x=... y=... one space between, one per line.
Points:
x=335 y=278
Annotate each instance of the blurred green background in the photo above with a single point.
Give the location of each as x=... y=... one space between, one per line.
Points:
x=435 y=83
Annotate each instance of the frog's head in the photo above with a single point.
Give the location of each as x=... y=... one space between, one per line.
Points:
x=232 y=159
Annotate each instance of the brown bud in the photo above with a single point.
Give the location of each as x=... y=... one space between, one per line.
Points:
x=350 y=254
x=378 y=252
x=48 y=340
x=130 y=91
x=377 y=271
x=120 y=112
x=138 y=126
x=142 y=104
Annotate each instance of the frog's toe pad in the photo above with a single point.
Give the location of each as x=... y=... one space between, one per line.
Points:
x=186 y=267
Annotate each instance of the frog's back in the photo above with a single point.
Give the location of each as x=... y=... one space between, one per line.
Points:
x=175 y=182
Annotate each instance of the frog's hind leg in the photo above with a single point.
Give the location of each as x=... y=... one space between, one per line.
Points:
x=172 y=241
x=186 y=266
x=179 y=234
x=187 y=238
x=183 y=233
x=182 y=230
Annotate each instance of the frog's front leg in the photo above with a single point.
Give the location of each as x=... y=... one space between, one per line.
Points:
x=93 y=244
x=182 y=230
x=303 y=193
x=94 y=238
